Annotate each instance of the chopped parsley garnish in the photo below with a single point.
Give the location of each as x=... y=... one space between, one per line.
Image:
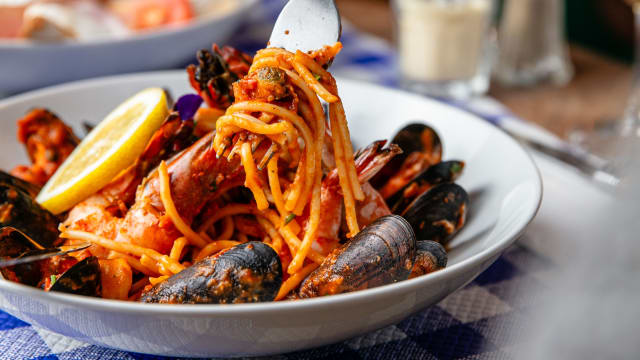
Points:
x=456 y=168
x=289 y=218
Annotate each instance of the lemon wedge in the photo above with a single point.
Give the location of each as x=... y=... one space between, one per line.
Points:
x=110 y=147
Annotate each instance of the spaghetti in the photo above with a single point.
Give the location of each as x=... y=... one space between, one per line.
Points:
x=307 y=82
x=276 y=130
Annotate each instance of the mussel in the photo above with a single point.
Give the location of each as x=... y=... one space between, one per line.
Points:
x=73 y=277
x=19 y=210
x=216 y=71
x=440 y=173
x=9 y=180
x=430 y=256
x=14 y=244
x=82 y=278
x=439 y=213
x=418 y=137
x=382 y=253
x=421 y=148
x=249 y=272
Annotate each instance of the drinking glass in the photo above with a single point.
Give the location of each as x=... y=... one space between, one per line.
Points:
x=615 y=142
x=532 y=44
x=444 y=46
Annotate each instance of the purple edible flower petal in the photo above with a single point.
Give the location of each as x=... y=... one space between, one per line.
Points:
x=187 y=105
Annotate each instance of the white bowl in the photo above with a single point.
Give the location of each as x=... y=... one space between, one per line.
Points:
x=27 y=65
x=503 y=182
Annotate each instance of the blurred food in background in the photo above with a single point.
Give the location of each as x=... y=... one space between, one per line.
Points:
x=61 y=20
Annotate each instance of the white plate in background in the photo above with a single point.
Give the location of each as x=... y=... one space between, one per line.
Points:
x=29 y=65
x=503 y=181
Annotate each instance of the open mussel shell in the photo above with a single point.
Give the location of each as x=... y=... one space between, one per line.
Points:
x=82 y=278
x=430 y=256
x=382 y=253
x=14 y=244
x=9 y=180
x=440 y=173
x=19 y=210
x=419 y=137
x=415 y=137
x=439 y=213
x=249 y=272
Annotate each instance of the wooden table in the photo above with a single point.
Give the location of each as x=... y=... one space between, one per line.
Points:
x=596 y=95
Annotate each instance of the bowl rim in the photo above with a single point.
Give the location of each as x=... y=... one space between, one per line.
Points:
x=167 y=30
x=299 y=305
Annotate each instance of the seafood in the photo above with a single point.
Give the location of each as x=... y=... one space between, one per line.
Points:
x=173 y=136
x=440 y=173
x=430 y=256
x=246 y=193
x=82 y=278
x=116 y=278
x=19 y=210
x=217 y=70
x=382 y=253
x=197 y=176
x=48 y=142
x=368 y=162
x=68 y=20
x=108 y=212
x=439 y=213
x=421 y=147
x=12 y=245
x=248 y=272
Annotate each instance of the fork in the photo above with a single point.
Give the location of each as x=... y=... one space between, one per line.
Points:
x=306 y=25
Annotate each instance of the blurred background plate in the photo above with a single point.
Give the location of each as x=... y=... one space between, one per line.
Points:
x=25 y=65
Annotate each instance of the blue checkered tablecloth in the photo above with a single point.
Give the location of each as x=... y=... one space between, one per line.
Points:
x=484 y=320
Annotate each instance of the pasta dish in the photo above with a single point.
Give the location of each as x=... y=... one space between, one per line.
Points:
x=247 y=191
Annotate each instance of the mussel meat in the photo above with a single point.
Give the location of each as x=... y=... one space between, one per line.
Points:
x=249 y=272
x=430 y=256
x=82 y=278
x=421 y=148
x=440 y=173
x=439 y=213
x=382 y=253
x=19 y=210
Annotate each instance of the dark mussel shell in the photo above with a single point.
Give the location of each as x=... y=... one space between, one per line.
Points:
x=430 y=256
x=9 y=180
x=19 y=210
x=82 y=278
x=382 y=253
x=13 y=244
x=415 y=137
x=440 y=173
x=249 y=272
x=439 y=213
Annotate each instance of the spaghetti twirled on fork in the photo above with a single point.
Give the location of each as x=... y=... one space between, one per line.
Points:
x=307 y=81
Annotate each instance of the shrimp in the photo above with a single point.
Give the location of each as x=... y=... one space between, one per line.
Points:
x=196 y=176
x=368 y=162
x=103 y=212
